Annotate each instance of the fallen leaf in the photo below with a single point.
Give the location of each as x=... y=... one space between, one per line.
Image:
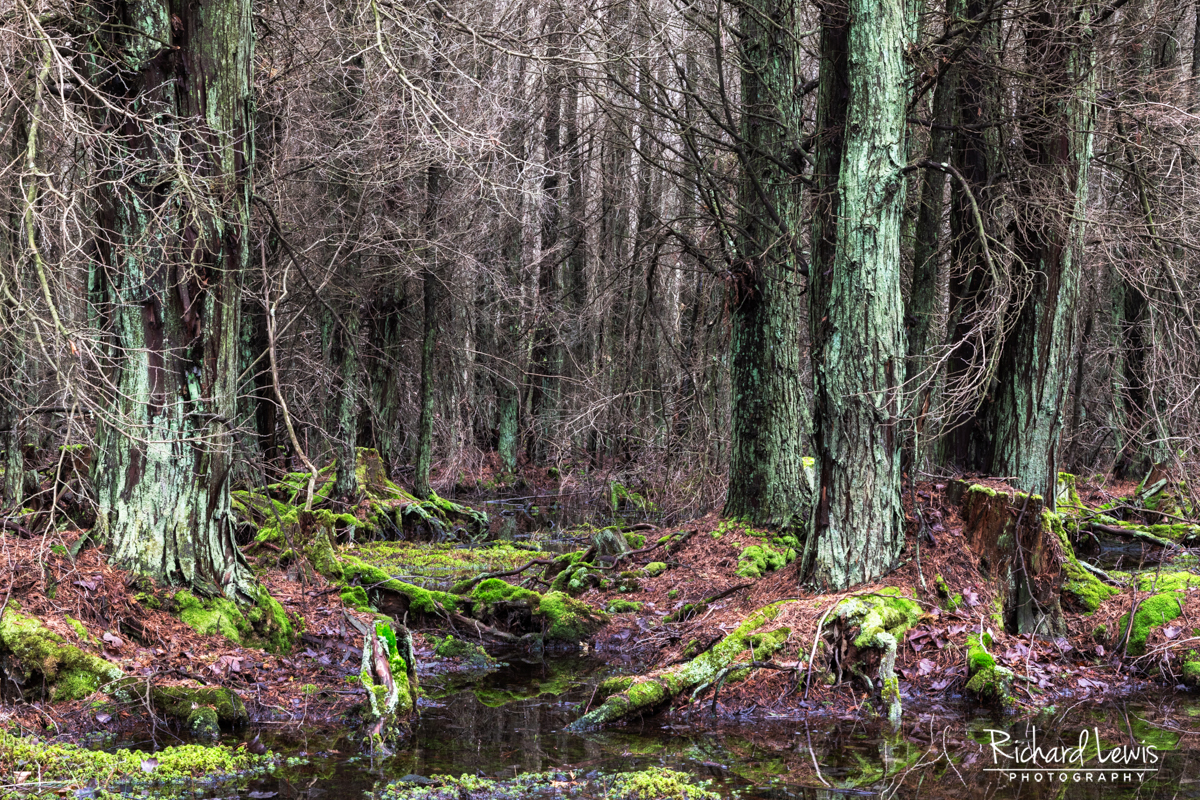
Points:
x=89 y=584
x=262 y=795
x=1171 y=632
x=113 y=639
x=971 y=597
x=149 y=765
x=103 y=718
x=925 y=666
x=1100 y=650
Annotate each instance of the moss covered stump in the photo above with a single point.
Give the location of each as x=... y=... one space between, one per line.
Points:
x=1013 y=536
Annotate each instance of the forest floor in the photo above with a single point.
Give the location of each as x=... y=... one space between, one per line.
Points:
x=683 y=597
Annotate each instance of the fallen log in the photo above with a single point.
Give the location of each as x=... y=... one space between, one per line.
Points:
x=642 y=695
x=1131 y=533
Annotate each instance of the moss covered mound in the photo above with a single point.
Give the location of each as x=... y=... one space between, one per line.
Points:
x=1167 y=582
x=471 y=654
x=265 y=624
x=563 y=618
x=40 y=654
x=1153 y=612
x=1191 y=670
x=757 y=560
x=202 y=710
x=126 y=769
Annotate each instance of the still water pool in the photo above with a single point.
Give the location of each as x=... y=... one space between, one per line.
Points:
x=511 y=723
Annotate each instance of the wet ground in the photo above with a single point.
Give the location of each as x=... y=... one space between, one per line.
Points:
x=512 y=721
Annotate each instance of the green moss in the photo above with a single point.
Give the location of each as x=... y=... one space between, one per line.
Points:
x=610 y=686
x=472 y=654
x=569 y=620
x=1167 y=581
x=122 y=769
x=1152 y=613
x=494 y=590
x=658 y=783
x=212 y=617
x=890 y=695
x=757 y=560
x=619 y=606
x=647 y=692
x=654 y=569
x=356 y=597
x=1067 y=494
x=882 y=618
x=654 y=783
x=636 y=541
x=951 y=600
x=39 y=651
x=421 y=601
x=74 y=684
x=179 y=703
x=1191 y=670
x=978 y=657
x=202 y=723
x=993 y=685
x=265 y=624
x=1080 y=588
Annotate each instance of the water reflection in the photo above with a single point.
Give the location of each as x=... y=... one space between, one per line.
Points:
x=512 y=722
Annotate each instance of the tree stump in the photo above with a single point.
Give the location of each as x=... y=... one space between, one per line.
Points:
x=1013 y=537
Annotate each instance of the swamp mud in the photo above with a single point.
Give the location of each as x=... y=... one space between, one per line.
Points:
x=403 y=650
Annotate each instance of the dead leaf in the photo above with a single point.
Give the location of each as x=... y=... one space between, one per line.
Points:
x=91 y=584
x=971 y=597
x=113 y=639
x=925 y=666
x=103 y=718
x=1171 y=632
x=149 y=765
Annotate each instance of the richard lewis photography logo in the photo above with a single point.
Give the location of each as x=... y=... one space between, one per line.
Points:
x=1089 y=761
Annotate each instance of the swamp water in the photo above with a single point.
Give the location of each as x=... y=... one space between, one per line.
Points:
x=511 y=723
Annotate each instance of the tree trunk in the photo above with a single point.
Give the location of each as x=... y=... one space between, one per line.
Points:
x=173 y=254
x=972 y=324
x=431 y=286
x=858 y=348
x=770 y=419
x=1023 y=421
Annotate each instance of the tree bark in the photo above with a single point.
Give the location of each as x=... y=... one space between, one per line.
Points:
x=770 y=416
x=174 y=211
x=858 y=311
x=1023 y=421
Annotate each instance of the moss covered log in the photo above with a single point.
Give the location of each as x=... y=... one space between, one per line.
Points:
x=646 y=693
